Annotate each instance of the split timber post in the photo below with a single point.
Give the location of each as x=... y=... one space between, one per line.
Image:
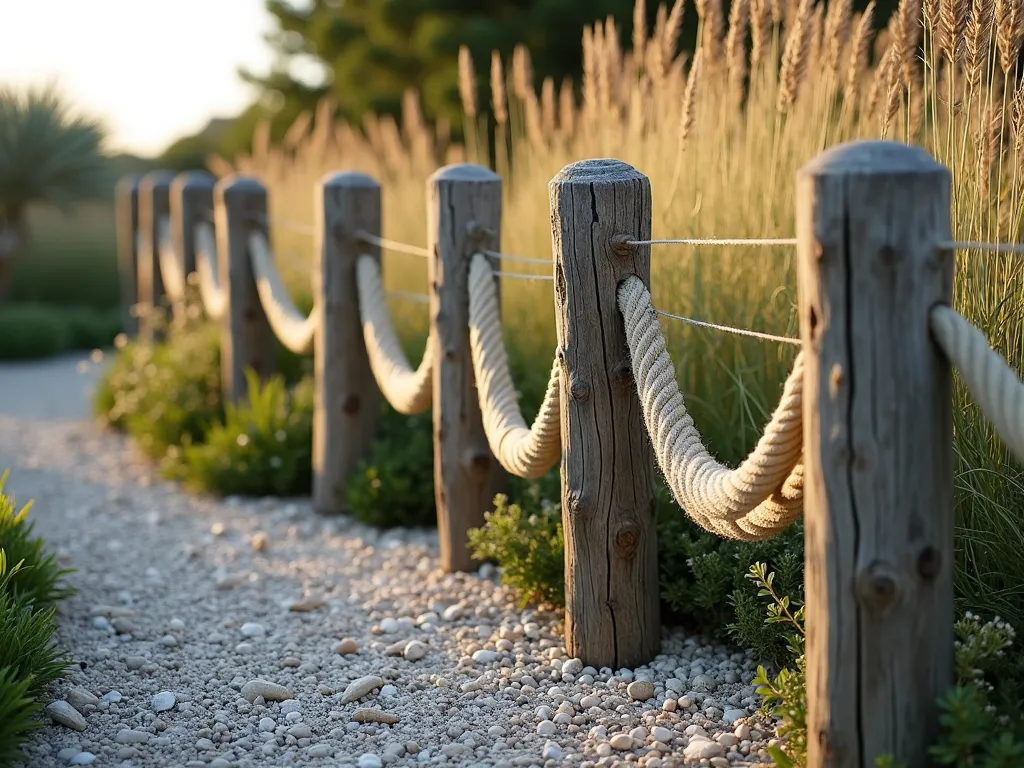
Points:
x=464 y=216
x=191 y=203
x=154 y=205
x=247 y=341
x=347 y=398
x=611 y=571
x=878 y=452
x=126 y=214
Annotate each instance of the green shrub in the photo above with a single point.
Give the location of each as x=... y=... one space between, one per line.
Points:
x=40 y=579
x=30 y=585
x=263 y=447
x=30 y=331
x=528 y=545
x=166 y=394
x=394 y=484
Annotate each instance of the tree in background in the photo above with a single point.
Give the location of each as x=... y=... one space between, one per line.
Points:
x=47 y=155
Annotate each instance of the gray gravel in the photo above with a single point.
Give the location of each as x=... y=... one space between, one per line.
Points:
x=255 y=632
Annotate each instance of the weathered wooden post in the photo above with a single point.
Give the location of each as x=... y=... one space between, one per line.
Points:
x=126 y=217
x=611 y=570
x=154 y=207
x=878 y=452
x=191 y=203
x=464 y=216
x=247 y=341
x=347 y=399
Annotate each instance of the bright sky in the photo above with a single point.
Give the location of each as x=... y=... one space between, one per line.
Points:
x=150 y=70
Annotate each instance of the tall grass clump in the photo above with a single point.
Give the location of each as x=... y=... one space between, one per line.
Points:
x=721 y=133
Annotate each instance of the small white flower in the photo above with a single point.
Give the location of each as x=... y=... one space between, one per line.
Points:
x=242 y=440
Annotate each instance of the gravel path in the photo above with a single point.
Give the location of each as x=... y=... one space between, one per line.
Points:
x=255 y=632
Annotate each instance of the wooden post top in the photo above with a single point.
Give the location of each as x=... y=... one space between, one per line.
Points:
x=872 y=157
x=463 y=172
x=349 y=179
x=599 y=171
x=193 y=180
x=239 y=185
x=156 y=180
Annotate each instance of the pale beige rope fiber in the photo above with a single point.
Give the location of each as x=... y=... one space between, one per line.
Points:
x=215 y=298
x=995 y=386
x=524 y=451
x=172 y=271
x=764 y=494
x=408 y=391
x=293 y=328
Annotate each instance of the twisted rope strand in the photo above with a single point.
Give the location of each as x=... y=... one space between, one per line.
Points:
x=292 y=327
x=214 y=297
x=765 y=493
x=994 y=385
x=172 y=272
x=408 y=391
x=526 y=452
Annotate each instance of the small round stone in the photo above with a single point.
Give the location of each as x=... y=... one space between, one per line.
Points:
x=640 y=690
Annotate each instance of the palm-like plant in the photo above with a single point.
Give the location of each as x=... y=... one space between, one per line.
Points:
x=47 y=155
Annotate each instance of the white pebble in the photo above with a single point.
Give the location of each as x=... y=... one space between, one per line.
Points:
x=414 y=651
x=621 y=741
x=252 y=629
x=83 y=758
x=163 y=701
x=267 y=725
x=546 y=728
x=389 y=626
x=662 y=734
x=486 y=657
x=552 y=751
x=388 y=691
x=369 y=761
x=112 y=696
x=169 y=640
x=176 y=625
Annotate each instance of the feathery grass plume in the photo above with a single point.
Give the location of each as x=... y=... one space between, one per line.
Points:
x=952 y=25
x=794 y=56
x=689 y=111
x=639 y=31
x=611 y=62
x=760 y=30
x=816 y=57
x=297 y=130
x=566 y=108
x=893 y=93
x=736 y=45
x=261 y=142
x=522 y=72
x=604 y=93
x=534 y=125
x=837 y=32
x=860 y=44
x=1009 y=32
x=1017 y=118
x=547 y=105
x=657 y=66
x=880 y=82
x=467 y=82
x=590 y=98
x=776 y=12
x=978 y=39
x=987 y=136
x=498 y=101
x=710 y=14
x=412 y=115
x=669 y=39
x=907 y=37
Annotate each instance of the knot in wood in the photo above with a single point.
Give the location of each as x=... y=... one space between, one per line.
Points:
x=622 y=374
x=351 y=404
x=579 y=390
x=478 y=462
x=575 y=504
x=627 y=538
x=929 y=562
x=878 y=587
x=835 y=380
x=621 y=246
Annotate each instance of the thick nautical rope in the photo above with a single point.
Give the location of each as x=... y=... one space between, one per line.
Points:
x=755 y=501
x=524 y=451
x=408 y=390
x=214 y=297
x=172 y=272
x=293 y=328
x=995 y=387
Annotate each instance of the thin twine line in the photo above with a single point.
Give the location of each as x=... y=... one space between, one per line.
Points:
x=393 y=245
x=965 y=245
x=509 y=257
x=420 y=298
x=521 y=276
x=717 y=241
x=729 y=329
